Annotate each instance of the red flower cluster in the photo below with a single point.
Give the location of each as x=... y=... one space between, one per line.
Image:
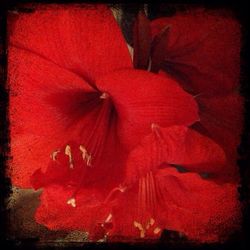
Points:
x=120 y=152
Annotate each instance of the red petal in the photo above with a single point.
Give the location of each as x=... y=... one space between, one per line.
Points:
x=84 y=39
x=203 y=53
x=56 y=214
x=183 y=202
x=142 y=98
x=222 y=117
x=199 y=208
x=203 y=50
x=175 y=145
x=49 y=107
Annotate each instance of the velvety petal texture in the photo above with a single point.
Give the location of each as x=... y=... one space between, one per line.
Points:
x=177 y=146
x=142 y=98
x=123 y=153
x=84 y=39
x=61 y=107
x=167 y=199
x=54 y=58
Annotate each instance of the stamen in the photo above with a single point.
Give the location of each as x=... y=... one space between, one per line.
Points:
x=152 y=189
x=154 y=126
x=156 y=129
x=111 y=193
x=85 y=155
x=143 y=194
x=108 y=218
x=157 y=230
x=54 y=154
x=72 y=202
x=104 y=95
x=150 y=223
x=69 y=154
x=140 y=228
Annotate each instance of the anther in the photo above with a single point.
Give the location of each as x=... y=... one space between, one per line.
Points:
x=54 y=154
x=154 y=126
x=122 y=189
x=72 y=202
x=108 y=218
x=140 y=228
x=85 y=155
x=157 y=230
x=156 y=129
x=104 y=95
x=150 y=223
x=69 y=154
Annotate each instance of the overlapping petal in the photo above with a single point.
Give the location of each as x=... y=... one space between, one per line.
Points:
x=184 y=202
x=202 y=51
x=76 y=109
x=161 y=197
x=178 y=146
x=142 y=98
x=55 y=55
x=84 y=39
x=56 y=214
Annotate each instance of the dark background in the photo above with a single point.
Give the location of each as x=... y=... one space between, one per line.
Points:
x=169 y=240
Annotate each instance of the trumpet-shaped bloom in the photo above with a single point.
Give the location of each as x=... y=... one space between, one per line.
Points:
x=81 y=118
x=166 y=191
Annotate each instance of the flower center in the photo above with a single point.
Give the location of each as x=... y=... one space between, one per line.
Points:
x=98 y=117
x=104 y=95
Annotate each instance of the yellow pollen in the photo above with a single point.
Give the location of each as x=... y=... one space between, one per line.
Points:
x=104 y=95
x=72 y=202
x=85 y=155
x=54 y=154
x=157 y=230
x=69 y=154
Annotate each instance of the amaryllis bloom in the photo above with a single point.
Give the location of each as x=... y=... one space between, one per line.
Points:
x=61 y=90
x=200 y=49
x=109 y=144
x=76 y=103
x=165 y=189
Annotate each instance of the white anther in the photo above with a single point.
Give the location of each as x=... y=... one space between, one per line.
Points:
x=54 y=154
x=104 y=95
x=157 y=230
x=69 y=154
x=85 y=155
x=108 y=218
x=72 y=202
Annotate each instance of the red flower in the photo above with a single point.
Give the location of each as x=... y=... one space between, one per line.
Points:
x=201 y=50
x=55 y=56
x=165 y=190
x=73 y=99
x=61 y=90
x=76 y=99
